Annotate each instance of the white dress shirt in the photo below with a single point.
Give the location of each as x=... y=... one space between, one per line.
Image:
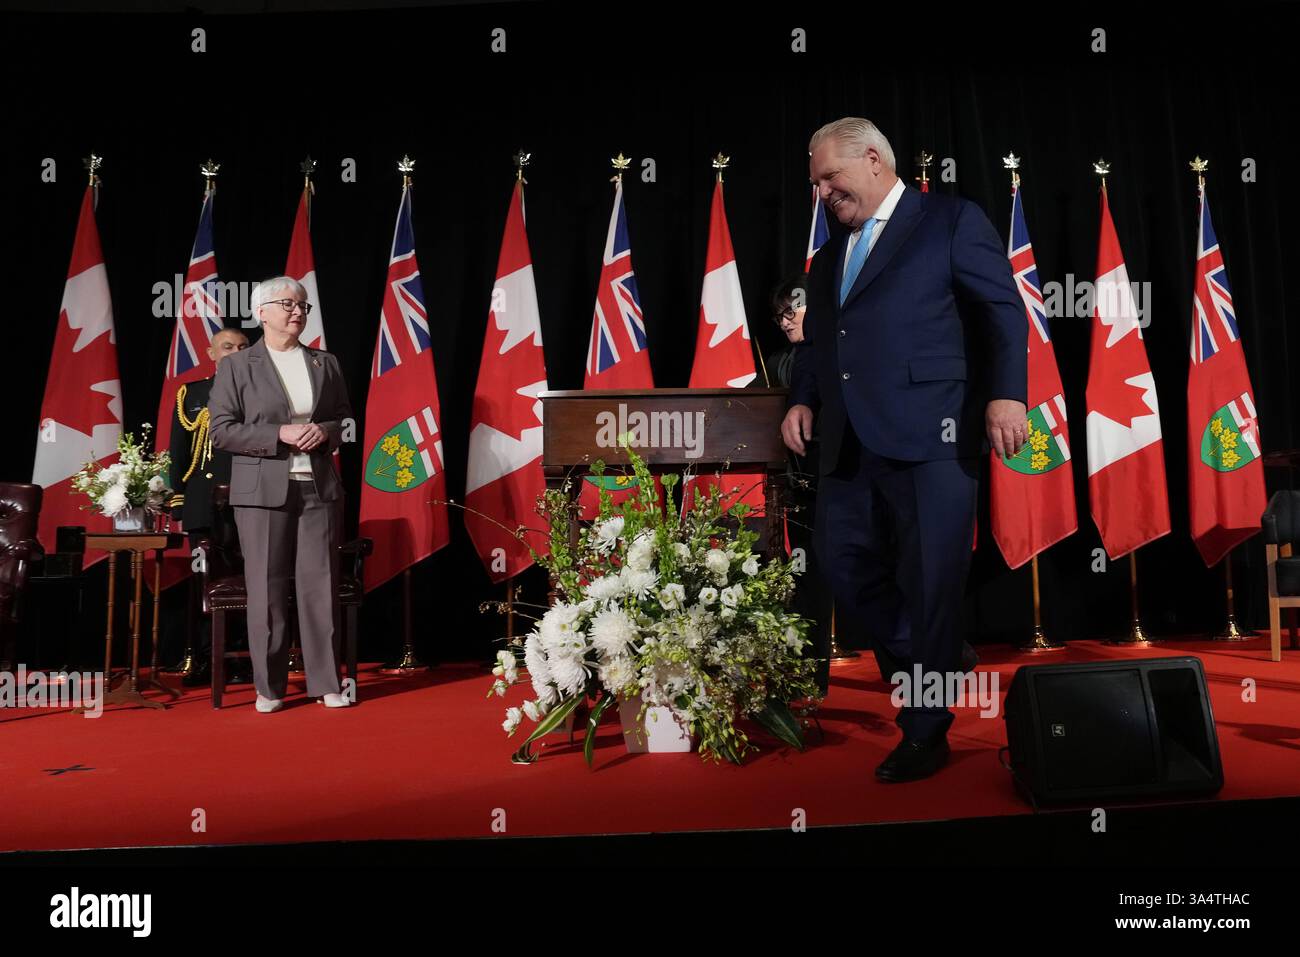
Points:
x=881 y=215
x=291 y=365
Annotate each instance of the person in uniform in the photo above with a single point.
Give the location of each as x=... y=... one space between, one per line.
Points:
x=197 y=467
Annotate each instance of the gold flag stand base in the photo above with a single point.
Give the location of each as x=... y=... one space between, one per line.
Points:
x=1039 y=642
x=185 y=668
x=838 y=653
x=405 y=664
x=1232 y=632
x=408 y=663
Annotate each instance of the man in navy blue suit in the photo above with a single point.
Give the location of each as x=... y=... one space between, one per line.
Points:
x=915 y=352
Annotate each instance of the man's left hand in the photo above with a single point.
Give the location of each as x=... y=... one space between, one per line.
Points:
x=1007 y=427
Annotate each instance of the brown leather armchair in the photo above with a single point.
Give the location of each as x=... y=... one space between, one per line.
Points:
x=223 y=588
x=1281 y=523
x=20 y=511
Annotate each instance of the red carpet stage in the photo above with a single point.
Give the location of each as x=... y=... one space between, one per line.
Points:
x=425 y=758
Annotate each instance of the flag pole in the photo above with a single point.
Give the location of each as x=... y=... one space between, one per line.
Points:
x=409 y=662
x=924 y=161
x=720 y=163
x=1038 y=640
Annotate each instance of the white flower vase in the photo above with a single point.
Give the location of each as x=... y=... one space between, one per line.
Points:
x=660 y=731
x=129 y=520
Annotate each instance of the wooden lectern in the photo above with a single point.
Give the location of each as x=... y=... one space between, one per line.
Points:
x=670 y=429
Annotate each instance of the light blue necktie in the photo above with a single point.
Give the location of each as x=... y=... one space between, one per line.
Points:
x=857 y=258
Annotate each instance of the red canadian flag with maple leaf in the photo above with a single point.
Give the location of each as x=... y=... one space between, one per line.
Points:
x=505 y=478
x=81 y=414
x=1126 y=459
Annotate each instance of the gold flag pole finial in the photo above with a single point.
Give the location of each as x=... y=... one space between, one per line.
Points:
x=620 y=163
x=92 y=164
x=522 y=159
x=406 y=166
x=209 y=171
x=720 y=163
x=925 y=161
x=1012 y=162
x=1199 y=166
x=307 y=167
x=1102 y=169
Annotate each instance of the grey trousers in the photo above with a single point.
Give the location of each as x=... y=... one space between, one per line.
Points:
x=299 y=542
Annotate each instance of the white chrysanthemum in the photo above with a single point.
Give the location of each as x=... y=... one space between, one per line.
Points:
x=731 y=596
x=570 y=674
x=557 y=625
x=612 y=630
x=641 y=553
x=750 y=567
x=156 y=484
x=708 y=595
x=639 y=583
x=617 y=674
x=672 y=597
x=113 y=500
x=540 y=671
x=605 y=588
x=607 y=534
x=717 y=562
x=513 y=717
x=533 y=711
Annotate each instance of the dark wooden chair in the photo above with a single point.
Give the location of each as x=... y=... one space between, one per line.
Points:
x=20 y=510
x=224 y=591
x=1281 y=534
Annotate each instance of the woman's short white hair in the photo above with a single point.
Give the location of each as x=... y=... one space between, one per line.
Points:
x=268 y=290
x=856 y=135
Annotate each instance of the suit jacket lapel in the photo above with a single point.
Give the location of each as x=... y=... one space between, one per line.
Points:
x=315 y=372
x=898 y=227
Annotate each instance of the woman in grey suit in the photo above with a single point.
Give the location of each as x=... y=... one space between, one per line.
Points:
x=279 y=407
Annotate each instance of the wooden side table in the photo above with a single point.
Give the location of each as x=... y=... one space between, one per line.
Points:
x=138 y=544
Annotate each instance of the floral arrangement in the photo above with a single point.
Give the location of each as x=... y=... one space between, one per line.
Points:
x=136 y=479
x=672 y=606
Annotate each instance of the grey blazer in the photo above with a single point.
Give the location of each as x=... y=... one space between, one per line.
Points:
x=247 y=407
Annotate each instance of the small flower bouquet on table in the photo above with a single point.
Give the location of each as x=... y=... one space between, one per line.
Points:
x=132 y=489
x=673 y=610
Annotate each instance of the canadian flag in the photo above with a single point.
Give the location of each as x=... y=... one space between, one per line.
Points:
x=302 y=267
x=723 y=354
x=1126 y=459
x=81 y=414
x=504 y=478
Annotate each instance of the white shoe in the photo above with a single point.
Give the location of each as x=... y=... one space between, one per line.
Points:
x=335 y=701
x=267 y=705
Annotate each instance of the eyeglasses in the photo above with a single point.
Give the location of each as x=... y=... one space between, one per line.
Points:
x=288 y=304
x=788 y=314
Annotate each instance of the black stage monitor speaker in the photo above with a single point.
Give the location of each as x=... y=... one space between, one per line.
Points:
x=1121 y=729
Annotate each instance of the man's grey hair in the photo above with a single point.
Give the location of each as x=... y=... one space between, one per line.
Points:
x=269 y=290
x=856 y=135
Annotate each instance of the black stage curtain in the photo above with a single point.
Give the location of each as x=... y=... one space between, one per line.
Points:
x=676 y=85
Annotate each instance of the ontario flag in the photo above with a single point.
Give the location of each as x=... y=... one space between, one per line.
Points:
x=1126 y=459
x=818 y=232
x=1225 y=478
x=197 y=321
x=504 y=479
x=1032 y=493
x=404 y=485
x=618 y=356
x=81 y=413
x=302 y=267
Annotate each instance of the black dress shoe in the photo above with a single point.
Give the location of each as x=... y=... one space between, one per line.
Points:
x=197 y=678
x=914 y=759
